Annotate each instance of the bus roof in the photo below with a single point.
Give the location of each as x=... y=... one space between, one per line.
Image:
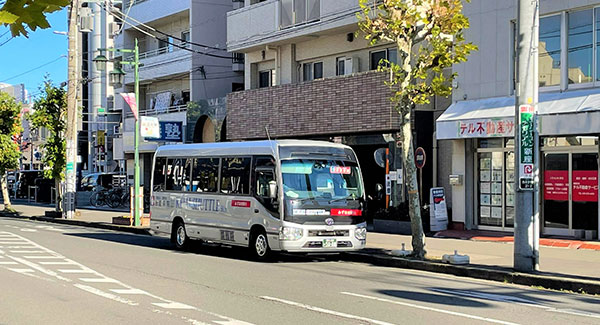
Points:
x=237 y=148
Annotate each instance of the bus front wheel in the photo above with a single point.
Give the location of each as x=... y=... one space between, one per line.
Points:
x=259 y=245
x=180 y=236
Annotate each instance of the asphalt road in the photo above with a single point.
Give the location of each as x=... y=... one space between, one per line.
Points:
x=58 y=274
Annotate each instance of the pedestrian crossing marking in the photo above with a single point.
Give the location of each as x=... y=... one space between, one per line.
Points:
x=21 y=270
x=34 y=257
x=8 y=263
x=57 y=263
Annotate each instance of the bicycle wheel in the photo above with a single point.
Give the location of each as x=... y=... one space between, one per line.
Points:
x=114 y=200
x=94 y=199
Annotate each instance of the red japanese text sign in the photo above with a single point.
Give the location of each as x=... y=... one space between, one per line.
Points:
x=585 y=185
x=556 y=185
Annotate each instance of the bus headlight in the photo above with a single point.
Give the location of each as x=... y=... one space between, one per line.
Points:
x=360 y=233
x=289 y=233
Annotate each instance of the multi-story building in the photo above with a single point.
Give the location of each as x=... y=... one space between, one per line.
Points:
x=480 y=123
x=308 y=75
x=31 y=140
x=185 y=69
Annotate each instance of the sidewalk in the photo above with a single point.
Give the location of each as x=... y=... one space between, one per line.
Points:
x=491 y=256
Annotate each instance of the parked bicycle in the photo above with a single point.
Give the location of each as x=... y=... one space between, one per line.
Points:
x=99 y=197
x=118 y=196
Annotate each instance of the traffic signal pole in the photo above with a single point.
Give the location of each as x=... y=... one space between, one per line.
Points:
x=526 y=254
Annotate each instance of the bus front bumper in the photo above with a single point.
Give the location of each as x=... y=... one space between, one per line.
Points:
x=319 y=240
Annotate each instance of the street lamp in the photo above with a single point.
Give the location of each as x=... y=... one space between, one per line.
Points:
x=116 y=77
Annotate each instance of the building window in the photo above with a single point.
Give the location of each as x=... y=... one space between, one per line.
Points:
x=185 y=36
x=312 y=71
x=379 y=57
x=294 y=12
x=165 y=45
x=264 y=79
x=340 y=66
x=580 y=40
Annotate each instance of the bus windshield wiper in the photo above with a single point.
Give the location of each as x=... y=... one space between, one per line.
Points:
x=352 y=197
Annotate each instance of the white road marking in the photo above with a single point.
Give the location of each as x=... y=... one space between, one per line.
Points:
x=325 y=311
x=59 y=263
x=99 y=280
x=28 y=230
x=229 y=322
x=26 y=252
x=173 y=305
x=10 y=242
x=40 y=268
x=22 y=270
x=8 y=263
x=36 y=257
x=516 y=300
x=21 y=247
x=76 y=271
x=443 y=311
x=106 y=294
x=129 y=291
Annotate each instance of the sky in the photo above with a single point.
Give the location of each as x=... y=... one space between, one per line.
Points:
x=19 y=55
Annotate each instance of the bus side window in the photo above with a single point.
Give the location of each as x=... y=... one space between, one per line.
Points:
x=178 y=171
x=235 y=176
x=265 y=184
x=205 y=175
x=159 y=174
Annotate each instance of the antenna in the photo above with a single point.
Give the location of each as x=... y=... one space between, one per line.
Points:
x=268 y=135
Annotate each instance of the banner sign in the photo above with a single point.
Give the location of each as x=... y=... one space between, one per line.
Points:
x=526 y=153
x=438 y=214
x=169 y=131
x=556 y=185
x=585 y=185
x=130 y=99
x=489 y=127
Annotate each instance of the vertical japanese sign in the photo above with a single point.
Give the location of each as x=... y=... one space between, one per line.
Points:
x=526 y=153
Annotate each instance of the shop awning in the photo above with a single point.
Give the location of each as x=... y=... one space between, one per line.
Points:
x=568 y=113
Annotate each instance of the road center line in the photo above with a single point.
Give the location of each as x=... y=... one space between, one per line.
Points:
x=443 y=311
x=325 y=311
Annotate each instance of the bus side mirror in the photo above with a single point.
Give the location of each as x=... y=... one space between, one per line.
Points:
x=272 y=190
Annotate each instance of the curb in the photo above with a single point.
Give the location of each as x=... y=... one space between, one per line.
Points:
x=73 y=222
x=492 y=274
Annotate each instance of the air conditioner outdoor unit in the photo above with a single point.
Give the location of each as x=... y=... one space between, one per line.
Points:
x=114 y=28
x=86 y=20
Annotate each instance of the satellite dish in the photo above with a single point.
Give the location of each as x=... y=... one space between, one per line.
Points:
x=379 y=156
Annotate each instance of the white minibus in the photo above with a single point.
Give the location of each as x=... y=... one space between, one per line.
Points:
x=281 y=195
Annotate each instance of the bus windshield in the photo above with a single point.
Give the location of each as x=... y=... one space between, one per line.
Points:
x=321 y=179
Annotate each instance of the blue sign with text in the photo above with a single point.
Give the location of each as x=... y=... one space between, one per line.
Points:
x=170 y=132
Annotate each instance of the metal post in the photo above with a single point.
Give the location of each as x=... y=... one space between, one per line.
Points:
x=527 y=160
x=136 y=172
x=71 y=132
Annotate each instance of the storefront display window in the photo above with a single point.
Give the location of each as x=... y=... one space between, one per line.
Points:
x=496 y=184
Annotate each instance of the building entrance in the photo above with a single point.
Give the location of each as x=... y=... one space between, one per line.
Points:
x=570 y=186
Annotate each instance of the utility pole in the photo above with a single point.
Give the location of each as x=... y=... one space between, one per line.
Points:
x=71 y=132
x=526 y=255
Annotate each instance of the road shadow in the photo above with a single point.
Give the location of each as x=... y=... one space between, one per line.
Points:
x=383 y=252
x=202 y=248
x=435 y=298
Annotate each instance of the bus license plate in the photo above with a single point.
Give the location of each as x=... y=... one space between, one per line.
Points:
x=329 y=243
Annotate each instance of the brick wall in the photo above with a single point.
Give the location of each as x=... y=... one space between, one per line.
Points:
x=339 y=105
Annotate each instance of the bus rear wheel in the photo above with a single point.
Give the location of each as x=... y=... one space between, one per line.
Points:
x=259 y=245
x=180 y=237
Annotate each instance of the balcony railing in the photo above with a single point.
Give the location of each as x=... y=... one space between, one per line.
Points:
x=152 y=111
x=296 y=12
x=161 y=50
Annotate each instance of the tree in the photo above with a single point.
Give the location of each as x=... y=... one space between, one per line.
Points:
x=429 y=36
x=18 y=14
x=10 y=127
x=50 y=112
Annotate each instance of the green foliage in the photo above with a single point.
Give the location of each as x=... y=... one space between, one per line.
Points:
x=50 y=112
x=19 y=14
x=429 y=35
x=10 y=125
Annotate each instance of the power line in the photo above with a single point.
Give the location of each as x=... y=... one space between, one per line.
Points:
x=8 y=40
x=38 y=67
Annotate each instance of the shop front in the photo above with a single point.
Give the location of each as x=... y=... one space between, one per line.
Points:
x=482 y=136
